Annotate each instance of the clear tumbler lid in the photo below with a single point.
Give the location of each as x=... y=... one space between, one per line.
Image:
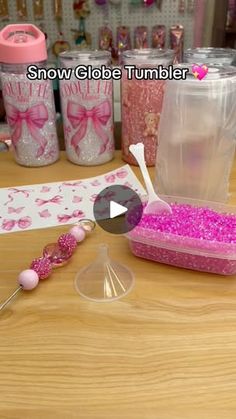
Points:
x=210 y=55
x=152 y=56
x=85 y=57
x=216 y=78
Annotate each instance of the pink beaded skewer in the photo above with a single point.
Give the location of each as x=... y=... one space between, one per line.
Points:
x=54 y=255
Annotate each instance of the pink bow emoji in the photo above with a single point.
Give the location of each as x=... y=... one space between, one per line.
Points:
x=35 y=118
x=22 y=223
x=63 y=218
x=78 y=116
x=55 y=200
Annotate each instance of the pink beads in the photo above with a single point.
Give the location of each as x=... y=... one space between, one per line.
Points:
x=28 y=279
x=67 y=243
x=78 y=233
x=56 y=256
x=42 y=266
x=193 y=222
x=197 y=238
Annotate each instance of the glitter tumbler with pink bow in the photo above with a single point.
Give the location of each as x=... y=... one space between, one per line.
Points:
x=141 y=102
x=87 y=108
x=29 y=104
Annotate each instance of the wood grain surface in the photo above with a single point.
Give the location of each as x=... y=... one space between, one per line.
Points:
x=166 y=351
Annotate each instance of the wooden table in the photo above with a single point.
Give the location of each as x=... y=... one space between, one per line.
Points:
x=166 y=351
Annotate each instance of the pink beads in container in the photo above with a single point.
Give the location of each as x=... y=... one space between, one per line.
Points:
x=29 y=104
x=198 y=235
x=141 y=103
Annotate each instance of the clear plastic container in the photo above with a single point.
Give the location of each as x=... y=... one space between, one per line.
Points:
x=197 y=134
x=223 y=56
x=185 y=252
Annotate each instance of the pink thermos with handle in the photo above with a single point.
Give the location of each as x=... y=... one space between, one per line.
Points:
x=29 y=104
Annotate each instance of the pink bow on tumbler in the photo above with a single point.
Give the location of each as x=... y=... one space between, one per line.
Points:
x=78 y=116
x=55 y=200
x=35 y=118
x=22 y=223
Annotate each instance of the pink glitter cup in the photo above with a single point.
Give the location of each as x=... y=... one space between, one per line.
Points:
x=87 y=109
x=141 y=103
x=198 y=235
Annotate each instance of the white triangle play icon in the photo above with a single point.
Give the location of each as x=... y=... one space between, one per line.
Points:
x=116 y=209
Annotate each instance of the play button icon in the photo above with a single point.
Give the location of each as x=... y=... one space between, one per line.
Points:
x=118 y=209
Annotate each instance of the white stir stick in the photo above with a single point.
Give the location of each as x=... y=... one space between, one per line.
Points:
x=155 y=204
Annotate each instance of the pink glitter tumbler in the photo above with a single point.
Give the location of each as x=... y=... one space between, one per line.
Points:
x=87 y=108
x=29 y=103
x=142 y=103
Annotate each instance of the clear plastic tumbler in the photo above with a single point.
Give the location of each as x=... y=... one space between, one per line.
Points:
x=197 y=135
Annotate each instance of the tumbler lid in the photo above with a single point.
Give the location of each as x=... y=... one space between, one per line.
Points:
x=212 y=77
x=205 y=73
x=210 y=55
x=145 y=56
x=85 y=57
x=22 y=44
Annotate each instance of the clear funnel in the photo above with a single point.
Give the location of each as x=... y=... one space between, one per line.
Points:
x=104 y=279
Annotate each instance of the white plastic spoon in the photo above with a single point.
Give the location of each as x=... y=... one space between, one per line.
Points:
x=155 y=204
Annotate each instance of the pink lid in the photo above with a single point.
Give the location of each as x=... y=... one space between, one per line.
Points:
x=22 y=44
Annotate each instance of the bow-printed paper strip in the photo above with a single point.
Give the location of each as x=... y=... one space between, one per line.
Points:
x=47 y=205
x=35 y=118
x=79 y=116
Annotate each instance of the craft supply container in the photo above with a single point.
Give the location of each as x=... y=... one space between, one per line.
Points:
x=197 y=136
x=223 y=56
x=29 y=104
x=87 y=110
x=184 y=252
x=141 y=103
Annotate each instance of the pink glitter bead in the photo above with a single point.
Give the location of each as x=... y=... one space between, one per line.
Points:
x=28 y=279
x=42 y=266
x=78 y=233
x=56 y=256
x=197 y=238
x=67 y=243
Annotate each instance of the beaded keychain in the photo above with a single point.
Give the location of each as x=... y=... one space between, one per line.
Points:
x=54 y=255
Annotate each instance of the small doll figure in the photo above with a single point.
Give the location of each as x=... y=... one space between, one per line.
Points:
x=81 y=37
x=61 y=45
x=123 y=41
x=105 y=39
x=151 y=122
x=81 y=9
